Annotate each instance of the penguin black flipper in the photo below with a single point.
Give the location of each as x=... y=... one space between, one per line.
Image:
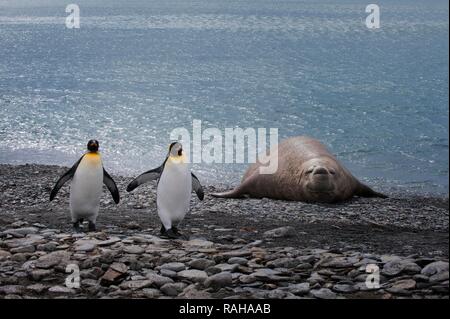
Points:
x=64 y=178
x=111 y=185
x=197 y=187
x=146 y=177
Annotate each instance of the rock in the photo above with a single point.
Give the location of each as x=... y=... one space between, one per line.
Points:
x=133 y=249
x=238 y=261
x=344 y=288
x=39 y=274
x=158 y=280
x=109 y=241
x=85 y=245
x=272 y=294
x=227 y=267
x=266 y=274
x=151 y=293
x=19 y=257
x=88 y=283
x=399 y=291
x=27 y=241
x=51 y=246
x=438 y=277
x=61 y=290
x=212 y=270
x=287 y=231
x=201 y=263
x=4 y=255
x=395 y=267
x=174 y=266
x=323 y=293
x=21 y=232
x=299 y=289
x=434 y=268
x=37 y=288
x=337 y=262
x=133 y=225
x=136 y=284
x=108 y=256
x=283 y=263
x=19 y=223
x=405 y=284
x=237 y=253
x=191 y=292
x=217 y=281
x=193 y=275
x=12 y=290
x=23 y=249
x=173 y=289
x=198 y=243
x=115 y=274
x=168 y=273
x=441 y=289
x=52 y=259
x=92 y=273
x=119 y=267
x=89 y=262
x=247 y=279
x=315 y=278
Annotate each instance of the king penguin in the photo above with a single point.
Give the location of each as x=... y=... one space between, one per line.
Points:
x=88 y=176
x=175 y=185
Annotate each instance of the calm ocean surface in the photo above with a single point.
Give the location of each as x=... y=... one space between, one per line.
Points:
x=137 y=69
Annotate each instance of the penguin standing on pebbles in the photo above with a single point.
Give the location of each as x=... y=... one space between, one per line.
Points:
x=88 y=176
x=175 y=185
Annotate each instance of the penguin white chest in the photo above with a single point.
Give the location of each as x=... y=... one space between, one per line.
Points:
x=86 y=188
x=174 y=192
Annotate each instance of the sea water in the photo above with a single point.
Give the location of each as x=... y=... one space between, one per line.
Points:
x=135 y=70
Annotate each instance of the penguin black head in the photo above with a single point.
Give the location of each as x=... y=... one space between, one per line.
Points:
x=92 y=146
x=176 y=149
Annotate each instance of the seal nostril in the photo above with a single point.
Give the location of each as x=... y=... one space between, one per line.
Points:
x=320 y=170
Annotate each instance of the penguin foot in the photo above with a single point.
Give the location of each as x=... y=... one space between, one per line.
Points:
x=170 y=234
x=91 y=226
x=77 y=228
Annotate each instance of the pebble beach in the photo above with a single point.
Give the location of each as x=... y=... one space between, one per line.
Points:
x=245 y=248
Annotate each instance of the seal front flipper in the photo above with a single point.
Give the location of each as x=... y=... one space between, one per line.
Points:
x=111 y=185
x=146 y=177
x=197 y=187
x=64 y=178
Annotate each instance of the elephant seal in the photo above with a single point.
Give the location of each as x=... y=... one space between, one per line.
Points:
x=306 y=172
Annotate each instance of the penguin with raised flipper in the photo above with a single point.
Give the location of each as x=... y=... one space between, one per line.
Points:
x=175 y=185
x=88 y=177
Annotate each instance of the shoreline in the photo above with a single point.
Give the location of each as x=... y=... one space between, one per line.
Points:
x=412 y=229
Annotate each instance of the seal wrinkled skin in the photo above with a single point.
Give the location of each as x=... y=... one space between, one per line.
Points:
x=306 y=172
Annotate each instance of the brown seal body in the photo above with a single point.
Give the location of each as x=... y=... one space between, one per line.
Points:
x=306 y=172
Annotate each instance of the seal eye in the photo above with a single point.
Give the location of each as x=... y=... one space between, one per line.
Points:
x=332 y=171
x=309 y=171
x=180 y=152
